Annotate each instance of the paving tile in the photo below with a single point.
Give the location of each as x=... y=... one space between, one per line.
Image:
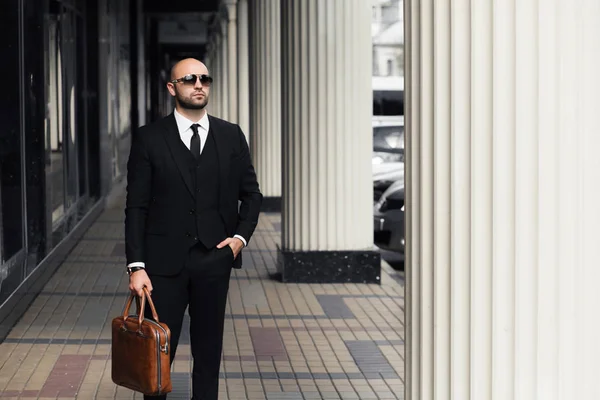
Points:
x=253 y=294
x=282 y=341
x=65 y=377
x=335 y=306
x=286 y=375
x=267 y=342
x=303 y=375
x=181 y=386
x=312 y=395
x=370 y=360
x=118 y=249
x=284 y=396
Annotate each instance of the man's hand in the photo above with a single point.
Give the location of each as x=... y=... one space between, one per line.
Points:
x=236 y=245
x=138 y=280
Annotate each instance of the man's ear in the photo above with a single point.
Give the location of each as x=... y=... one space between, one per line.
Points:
x=171 y=88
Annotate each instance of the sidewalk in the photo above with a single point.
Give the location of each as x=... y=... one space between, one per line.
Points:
x=282 y=341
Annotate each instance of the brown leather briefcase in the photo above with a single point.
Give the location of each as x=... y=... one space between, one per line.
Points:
x=140 y=350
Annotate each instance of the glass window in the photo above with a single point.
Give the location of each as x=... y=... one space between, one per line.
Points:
x=388 y=102
x=11 y=182
x=11 y=191
x=390 y=13
x=65 y=141
x=375 y=63
x=388 y=138
x=65 y=144
x=55 y=174
x=80 y=110
x=69 y=133
x=34 y=111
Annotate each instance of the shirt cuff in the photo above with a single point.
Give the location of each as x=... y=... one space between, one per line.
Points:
x=136 y=264
x=242 y=239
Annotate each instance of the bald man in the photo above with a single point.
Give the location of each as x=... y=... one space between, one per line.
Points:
x=184 y=229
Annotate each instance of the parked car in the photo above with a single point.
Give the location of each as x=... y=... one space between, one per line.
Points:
x=384 y=175
x=388 y=143
x=388 y=155
x=388 y=218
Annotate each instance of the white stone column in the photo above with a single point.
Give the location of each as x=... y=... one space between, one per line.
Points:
x=209 y=61
x=216 y=88
x=207 y=58
x=327 y=141
x=265 y=98
x=224 y=72
x=232 y=63
x=503 y=194
x=243 y=89
x=140 y=48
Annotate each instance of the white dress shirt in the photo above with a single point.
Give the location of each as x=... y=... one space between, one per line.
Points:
x=184 y=126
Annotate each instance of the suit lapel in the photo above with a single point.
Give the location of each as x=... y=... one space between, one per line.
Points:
x=178 y=151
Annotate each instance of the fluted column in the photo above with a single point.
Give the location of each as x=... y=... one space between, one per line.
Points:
x=216 y=89
x=224 y=72
x=209 y=55
x=327 y=218
x=232 y=64
x=502 y=199
x=209 y=61
x=265 y=98
x=243 y=89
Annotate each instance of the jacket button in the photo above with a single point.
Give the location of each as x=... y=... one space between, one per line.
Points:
x=188 y=234
x=192 y=211
x=196 y=238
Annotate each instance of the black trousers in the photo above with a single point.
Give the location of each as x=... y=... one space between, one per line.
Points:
x=203 y=285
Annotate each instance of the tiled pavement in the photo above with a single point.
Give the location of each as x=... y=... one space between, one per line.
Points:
x=282 y=341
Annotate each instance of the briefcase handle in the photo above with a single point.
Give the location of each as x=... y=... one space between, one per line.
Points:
x=140 y=307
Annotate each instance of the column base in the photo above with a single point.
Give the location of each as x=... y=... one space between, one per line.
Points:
x=330 y=266
x=271 y=204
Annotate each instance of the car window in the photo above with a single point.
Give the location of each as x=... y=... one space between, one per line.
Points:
x=390 y=138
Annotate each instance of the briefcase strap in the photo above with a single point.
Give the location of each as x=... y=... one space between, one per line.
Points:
x=140 y=307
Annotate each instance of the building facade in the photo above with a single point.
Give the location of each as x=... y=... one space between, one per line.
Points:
x=65 y=126
x=387 y=29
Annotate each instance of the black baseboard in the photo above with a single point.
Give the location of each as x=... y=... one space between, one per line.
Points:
x=329 y=266
x=19 y=301
x=271 y=204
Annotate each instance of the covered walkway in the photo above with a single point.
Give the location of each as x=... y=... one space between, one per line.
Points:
x=282 y=341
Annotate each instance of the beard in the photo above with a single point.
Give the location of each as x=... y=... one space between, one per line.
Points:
x=191 y=103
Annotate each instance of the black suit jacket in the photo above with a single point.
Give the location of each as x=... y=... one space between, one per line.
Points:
x=160 y=193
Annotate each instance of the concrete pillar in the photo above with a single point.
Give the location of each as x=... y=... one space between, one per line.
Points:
x=216 y=89
x=502 y=202
x=327 y=210
x=265 y=98
x=140 y=47
x=232 y=64
x=208 y=60
x=224 y=72
x=243 y=92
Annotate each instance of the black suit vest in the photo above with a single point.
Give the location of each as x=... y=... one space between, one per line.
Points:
x=208 y=225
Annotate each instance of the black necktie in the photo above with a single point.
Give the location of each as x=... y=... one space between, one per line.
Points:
x=195 y=142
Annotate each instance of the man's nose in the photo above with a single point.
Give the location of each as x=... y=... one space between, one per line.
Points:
x=198 y=84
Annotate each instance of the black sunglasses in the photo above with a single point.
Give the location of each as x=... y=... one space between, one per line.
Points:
x=190 y=79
